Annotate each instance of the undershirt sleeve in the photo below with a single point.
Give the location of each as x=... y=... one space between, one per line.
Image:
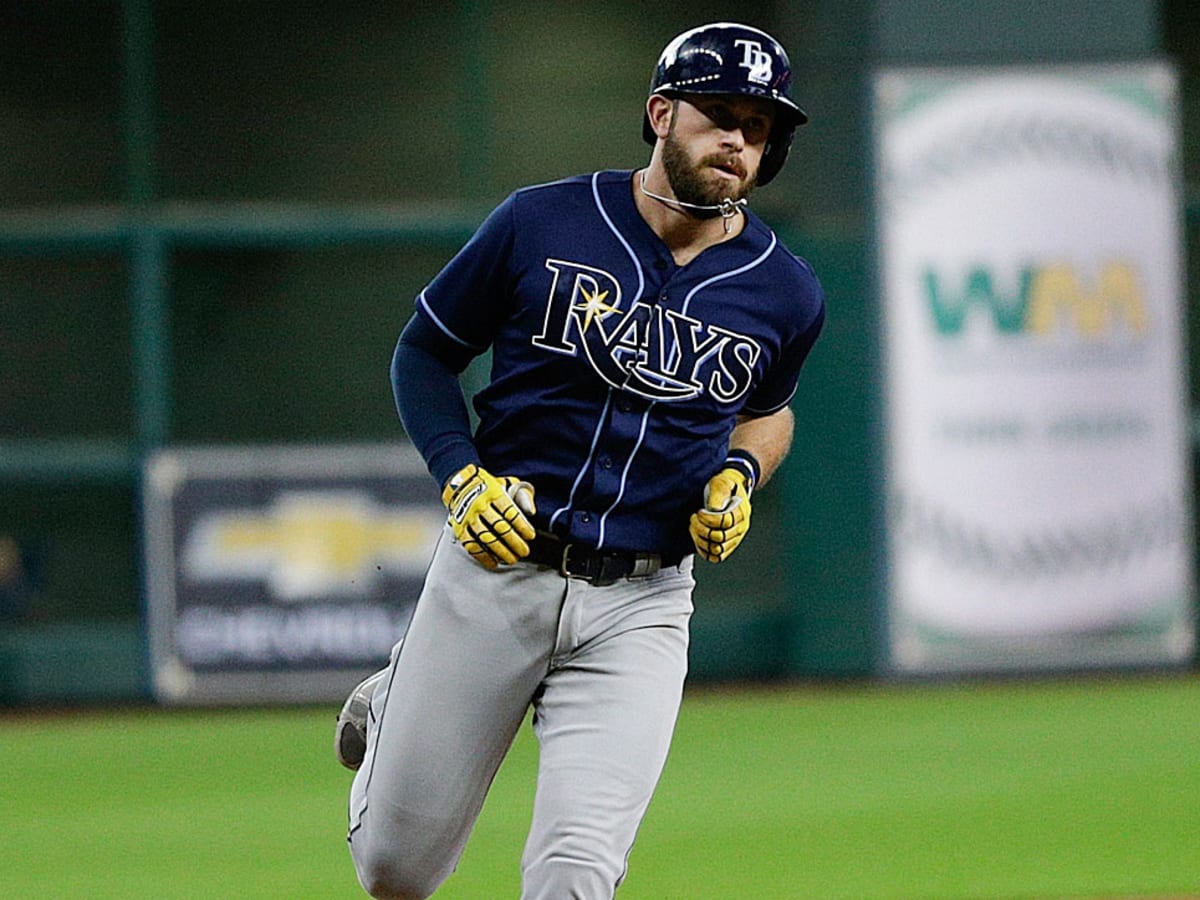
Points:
x=429 y=397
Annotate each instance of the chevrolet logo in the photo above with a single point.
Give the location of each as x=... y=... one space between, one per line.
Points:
x=313 y=544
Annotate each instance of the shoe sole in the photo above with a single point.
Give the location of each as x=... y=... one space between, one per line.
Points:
x=350 y=734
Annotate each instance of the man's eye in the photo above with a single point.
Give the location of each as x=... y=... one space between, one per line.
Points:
x=720 y=116
x=755 y=129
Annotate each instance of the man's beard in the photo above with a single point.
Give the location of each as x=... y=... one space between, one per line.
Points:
x=689 y=184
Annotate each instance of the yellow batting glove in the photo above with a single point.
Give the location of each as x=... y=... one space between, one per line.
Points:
x=720 y=526
x=486 y=520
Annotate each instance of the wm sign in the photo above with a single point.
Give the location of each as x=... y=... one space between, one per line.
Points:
x=1041 y=300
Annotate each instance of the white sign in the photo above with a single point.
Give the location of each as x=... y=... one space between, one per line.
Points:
x=1037 y=439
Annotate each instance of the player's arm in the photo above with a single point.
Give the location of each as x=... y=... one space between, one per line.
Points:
x=759 y=442
x=766 y=438
x=486 y=521
x=429 y=397
x=756 y=448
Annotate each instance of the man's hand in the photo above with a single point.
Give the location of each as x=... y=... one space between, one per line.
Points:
x=486 y=520
x=718 y=528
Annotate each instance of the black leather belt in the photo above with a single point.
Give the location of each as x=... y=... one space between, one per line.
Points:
x=598 y=567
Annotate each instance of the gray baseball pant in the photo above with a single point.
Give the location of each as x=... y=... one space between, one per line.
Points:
x=603 y=668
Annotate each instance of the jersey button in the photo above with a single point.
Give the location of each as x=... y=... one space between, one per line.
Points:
x=585 y=517
x=606 y=462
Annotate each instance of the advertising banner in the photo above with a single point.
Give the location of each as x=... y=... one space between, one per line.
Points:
x=282 y=573
x=1037 y=435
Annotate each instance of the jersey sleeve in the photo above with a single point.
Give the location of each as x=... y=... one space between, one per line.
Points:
x=779 y=384
x=469 y=298
x=429 y=398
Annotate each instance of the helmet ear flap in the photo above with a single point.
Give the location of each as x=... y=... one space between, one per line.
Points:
x=648 y=134
x=775 y=154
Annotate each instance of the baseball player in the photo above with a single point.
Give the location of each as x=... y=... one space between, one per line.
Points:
x=647 y=332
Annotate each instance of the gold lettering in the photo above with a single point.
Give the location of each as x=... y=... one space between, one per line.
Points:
x=1058 y=299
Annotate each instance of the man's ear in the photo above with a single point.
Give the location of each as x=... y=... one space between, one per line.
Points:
x=659 y=110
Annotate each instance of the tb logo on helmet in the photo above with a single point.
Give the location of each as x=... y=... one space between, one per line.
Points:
x=757 y=60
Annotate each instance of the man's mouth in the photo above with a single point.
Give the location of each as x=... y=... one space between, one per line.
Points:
x=731 y=170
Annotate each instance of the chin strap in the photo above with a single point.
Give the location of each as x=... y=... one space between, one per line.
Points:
x=727 y=208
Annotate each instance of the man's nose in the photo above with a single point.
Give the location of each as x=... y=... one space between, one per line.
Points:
x=733 y=138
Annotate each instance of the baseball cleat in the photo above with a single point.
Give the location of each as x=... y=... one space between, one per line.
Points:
x=350 y=736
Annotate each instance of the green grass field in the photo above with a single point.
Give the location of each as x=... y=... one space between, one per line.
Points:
x=1069 y=788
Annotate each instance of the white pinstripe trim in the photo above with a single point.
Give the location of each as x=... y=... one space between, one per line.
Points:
x=746 y=268
x=424 y=305
x=625 y=472
x=732 y=272
x=637 y=265
x=679 y=85
x=587 y=462
x=711 y=52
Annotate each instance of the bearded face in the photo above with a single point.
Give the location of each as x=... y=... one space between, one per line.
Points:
x=694 y=181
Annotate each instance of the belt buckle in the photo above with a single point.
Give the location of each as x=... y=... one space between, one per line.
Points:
x=603 y=577
x=562 y=565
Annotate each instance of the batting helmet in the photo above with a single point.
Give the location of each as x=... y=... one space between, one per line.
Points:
x=727 y=58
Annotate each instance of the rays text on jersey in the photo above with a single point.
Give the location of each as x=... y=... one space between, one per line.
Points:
x=659 y=353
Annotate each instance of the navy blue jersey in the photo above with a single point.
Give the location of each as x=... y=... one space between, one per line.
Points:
x=617 y=376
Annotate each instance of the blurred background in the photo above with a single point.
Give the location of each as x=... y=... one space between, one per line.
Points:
x=214 y=219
